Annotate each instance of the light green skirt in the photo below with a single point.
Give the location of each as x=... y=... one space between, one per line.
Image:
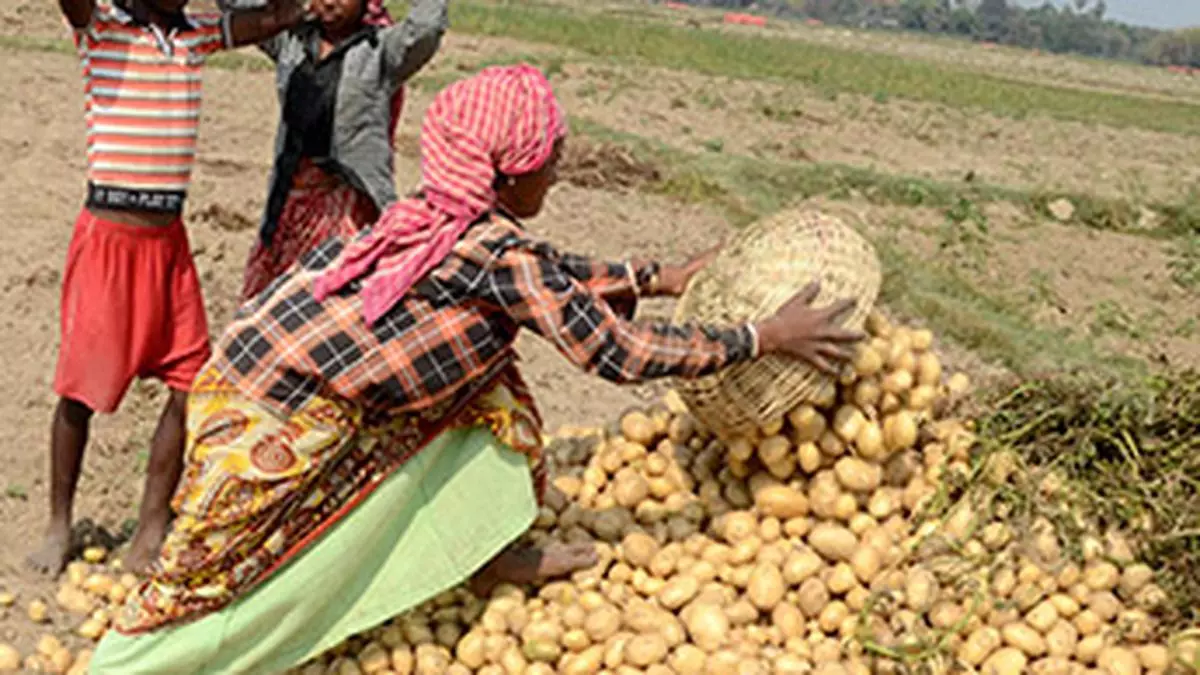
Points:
x=426 y=529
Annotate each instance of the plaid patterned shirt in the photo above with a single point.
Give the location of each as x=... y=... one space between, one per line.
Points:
x=456 y=325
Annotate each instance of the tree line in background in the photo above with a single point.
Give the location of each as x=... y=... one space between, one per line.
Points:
x=1078 y=27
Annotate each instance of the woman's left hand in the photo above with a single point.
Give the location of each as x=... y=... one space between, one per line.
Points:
x=673 y=279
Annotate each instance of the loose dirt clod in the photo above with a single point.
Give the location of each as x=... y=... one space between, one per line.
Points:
x=606 y=166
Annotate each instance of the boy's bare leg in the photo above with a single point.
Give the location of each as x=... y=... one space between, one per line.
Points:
x=68 y=438
x=162 y=476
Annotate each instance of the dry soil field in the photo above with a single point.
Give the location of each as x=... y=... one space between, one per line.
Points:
x=958 y=191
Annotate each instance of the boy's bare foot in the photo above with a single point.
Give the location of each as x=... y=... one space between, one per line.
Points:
x=68 y=436
x=162 y=476
x=144 y=549
x=51 y=558
x=527 y=565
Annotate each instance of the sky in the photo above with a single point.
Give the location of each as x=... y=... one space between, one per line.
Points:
x=1156 y=13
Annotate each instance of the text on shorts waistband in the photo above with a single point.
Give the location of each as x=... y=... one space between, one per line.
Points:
x=132 y=199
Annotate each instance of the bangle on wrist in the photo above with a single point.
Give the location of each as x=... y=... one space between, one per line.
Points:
x=647 y=278
x=755 y=343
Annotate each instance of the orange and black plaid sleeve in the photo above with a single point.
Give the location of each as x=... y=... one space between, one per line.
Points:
x=619 y=283
x=539 y=291
x=609 y=278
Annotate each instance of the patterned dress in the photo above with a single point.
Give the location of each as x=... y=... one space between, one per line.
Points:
x=318 y=206
x=259 y=488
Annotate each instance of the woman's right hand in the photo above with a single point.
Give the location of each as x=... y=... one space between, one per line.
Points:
x=814 y=335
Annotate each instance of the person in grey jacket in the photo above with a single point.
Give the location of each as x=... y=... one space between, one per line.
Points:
x=340 y=78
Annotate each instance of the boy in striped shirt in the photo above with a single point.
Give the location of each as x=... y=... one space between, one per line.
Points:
x=131 y=301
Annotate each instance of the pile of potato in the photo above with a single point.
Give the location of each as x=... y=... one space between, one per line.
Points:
x=86 y=599
x=828 y=542
x=806 y=548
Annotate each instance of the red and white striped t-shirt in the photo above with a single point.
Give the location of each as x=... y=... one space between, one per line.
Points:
x=142 y=91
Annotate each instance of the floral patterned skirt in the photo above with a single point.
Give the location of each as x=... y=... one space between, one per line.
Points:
x=257 y=489
x=319 y=205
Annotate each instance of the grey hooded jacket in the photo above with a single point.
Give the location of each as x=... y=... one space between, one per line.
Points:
x=373 y=68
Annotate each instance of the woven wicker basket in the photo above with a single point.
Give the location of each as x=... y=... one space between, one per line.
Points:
x=752 y=276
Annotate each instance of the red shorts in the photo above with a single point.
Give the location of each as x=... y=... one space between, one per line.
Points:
x=131 y=307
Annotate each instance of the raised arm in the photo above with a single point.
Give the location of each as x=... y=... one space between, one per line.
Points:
x=410 y=44
x=269 y=46
x=78 y=12
x=259 y=26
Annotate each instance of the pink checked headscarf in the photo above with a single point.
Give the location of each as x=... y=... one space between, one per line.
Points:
x=504 y=120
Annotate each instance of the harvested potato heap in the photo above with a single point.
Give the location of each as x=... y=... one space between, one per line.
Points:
x=836 y=540
x=83 y=606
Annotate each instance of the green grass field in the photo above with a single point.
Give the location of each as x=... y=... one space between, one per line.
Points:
x=823 y=67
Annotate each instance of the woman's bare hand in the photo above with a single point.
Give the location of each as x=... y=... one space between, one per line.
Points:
x=673 y=279
x=814 y=335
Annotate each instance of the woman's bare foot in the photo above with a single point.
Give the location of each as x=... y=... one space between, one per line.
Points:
x=143 y=551
x=51 y=558
x=527 y=565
